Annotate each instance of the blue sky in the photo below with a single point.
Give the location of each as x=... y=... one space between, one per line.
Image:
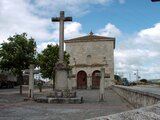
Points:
x=131 y=16
x=134 y=23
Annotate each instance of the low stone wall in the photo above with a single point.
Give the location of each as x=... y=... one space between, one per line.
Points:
x=136 y=97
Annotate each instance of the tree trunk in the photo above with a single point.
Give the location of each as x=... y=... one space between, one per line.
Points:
x=20 y=89
x=20 y=78
x=53 y=84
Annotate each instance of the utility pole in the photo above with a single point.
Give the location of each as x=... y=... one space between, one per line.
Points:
x=130 y=77
x=137 y=75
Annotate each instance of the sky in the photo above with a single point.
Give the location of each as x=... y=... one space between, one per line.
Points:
x=134 y=23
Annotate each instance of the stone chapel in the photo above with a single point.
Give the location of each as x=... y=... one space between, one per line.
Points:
x=88 y=54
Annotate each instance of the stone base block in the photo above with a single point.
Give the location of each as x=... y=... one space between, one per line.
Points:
x=41 y=100
x=65 y=100
x=60 y=100
x=62 y=94
x=61 y=80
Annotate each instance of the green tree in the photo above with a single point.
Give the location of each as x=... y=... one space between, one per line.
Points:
x=47 y=60
x=125 y=81
x=17 y=54
x=144 y=80
x=117 y=77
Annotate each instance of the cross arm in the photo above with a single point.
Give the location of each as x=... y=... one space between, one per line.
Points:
x=68 y=19
x=55 y=19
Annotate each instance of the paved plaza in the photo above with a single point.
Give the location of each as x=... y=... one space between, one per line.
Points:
x=13 y=106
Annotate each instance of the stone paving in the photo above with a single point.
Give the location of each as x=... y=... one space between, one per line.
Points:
x=144 y=113
x=13 y=106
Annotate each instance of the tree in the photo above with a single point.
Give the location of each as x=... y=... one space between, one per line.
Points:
x=117 y=79
x=47 y=60
x=143 y=80
x=125 y=81
x=17 y=54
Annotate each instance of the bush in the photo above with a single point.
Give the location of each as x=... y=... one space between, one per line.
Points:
x=143 y=80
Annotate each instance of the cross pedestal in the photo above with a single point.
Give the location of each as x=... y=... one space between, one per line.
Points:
x=61 y=77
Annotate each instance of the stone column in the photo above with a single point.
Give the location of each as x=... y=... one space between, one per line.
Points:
x=31 y=81
x=101 y=94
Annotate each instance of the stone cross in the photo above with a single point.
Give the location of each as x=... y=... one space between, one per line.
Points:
x=101 y=95
x=31 y=82
x=61 y=19
x=102 y=82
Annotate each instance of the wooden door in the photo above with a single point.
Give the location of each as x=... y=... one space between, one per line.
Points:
x=96 y=79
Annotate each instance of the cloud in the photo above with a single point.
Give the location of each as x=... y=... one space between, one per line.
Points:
x=109 y=30
x=43 y=45
x=140 y=52
x=15 y=18
x=18 y=16
x=149 y=36
x=74 y=7
x=135 y=57
x=122 y=1
x=71 y=30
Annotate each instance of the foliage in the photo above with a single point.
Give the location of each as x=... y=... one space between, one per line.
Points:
x=118 y=80
x=47 y=60
x=121 y=81
x=125 y=81
x=117 y=77
x=40 y=85
x=17 y=54
x=143 y=80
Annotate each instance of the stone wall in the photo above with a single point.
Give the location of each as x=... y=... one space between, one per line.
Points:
x=136 y=97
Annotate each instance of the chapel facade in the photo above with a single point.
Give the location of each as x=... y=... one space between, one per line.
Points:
x=88 y=54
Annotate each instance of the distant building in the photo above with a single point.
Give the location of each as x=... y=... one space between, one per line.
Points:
x=7 y=79
x=88 y=54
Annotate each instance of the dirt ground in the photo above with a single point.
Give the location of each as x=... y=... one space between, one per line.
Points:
x=13 y=106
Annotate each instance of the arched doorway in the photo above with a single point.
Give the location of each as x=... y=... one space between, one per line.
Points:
x=81 y=80
x=95 y=79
